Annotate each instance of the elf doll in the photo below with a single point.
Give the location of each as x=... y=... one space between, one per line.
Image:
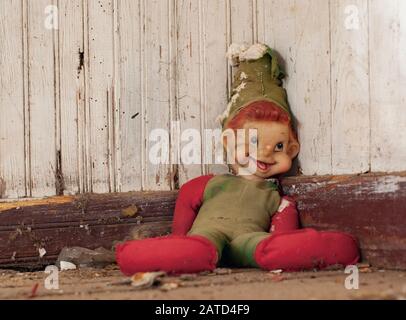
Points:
x=240 y=219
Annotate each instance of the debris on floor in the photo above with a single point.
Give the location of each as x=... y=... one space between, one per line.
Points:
x=220 y=271
x=85 y=258
x=169 y=286
x=144 y=280
x=65 y=265
x=364 y=267
x=277 y=277
x=277 y=271
x=334 y=267
x=109 y=283
x=188 y=276
x=34 y=290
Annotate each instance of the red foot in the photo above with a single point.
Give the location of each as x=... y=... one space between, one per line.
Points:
x=173 y=254
x=306 y=249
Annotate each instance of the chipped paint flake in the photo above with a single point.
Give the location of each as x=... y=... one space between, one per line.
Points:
x=66 y=265
x=42 y=252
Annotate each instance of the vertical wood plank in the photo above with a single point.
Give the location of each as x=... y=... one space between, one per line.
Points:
x=277 y=28
x=299 y=31
x=388 y=83
x=12 y=150
x=242 y=21
x=115 y=119
x=100 y=94
x=157 y=64
x=215 y=84
x=350 y=86
x=168 y=64
x=41 y=100
x=190 y=95
x=264 y=22
x=130 y=21
x=312 y=85
x=72 y=93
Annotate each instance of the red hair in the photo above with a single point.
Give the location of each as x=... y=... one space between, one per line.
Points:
x=261 y=111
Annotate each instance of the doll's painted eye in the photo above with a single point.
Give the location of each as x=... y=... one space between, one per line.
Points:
x=279 y=147
x=254 y=140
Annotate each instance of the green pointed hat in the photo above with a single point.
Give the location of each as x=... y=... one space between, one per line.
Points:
x=257 y=77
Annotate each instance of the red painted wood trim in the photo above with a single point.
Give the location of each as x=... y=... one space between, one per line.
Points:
x=372 y=207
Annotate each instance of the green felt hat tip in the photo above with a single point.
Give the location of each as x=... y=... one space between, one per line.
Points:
x=257 y=77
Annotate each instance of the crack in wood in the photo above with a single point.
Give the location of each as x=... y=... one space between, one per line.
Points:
x=59 y=179
x=81 y=61
x=2 y=188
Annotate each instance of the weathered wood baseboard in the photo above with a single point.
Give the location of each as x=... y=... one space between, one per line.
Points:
x=372 y=207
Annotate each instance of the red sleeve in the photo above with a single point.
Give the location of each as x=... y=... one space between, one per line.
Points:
x=287 y=217
x=189 y=200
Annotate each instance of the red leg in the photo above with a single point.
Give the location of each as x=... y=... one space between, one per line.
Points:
x=306 y=249
x=173 y=254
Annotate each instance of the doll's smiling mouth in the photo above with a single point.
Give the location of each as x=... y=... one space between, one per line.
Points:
x=261 y=165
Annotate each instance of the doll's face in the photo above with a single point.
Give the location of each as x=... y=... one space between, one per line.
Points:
x=275 y=150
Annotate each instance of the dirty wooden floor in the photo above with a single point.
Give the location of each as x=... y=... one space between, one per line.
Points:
x=224 y=284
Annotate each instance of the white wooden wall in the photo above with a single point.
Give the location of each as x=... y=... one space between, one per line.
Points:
x=77 y=103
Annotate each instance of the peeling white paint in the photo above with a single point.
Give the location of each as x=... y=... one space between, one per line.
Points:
x=233 y=100
x=383 y=185
x=226 y=113
x=240 y=87
x=284 y=204
x=243 y=76
x=389 y=184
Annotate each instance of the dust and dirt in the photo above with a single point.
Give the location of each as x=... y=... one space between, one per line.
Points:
x=109 y=283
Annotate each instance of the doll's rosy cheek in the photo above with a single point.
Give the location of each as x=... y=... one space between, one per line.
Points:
x=284 y=162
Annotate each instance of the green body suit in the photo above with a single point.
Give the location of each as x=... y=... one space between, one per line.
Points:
x=236 y=215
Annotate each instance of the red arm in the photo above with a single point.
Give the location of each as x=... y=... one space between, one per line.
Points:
x=189 y=200
x=287 y=217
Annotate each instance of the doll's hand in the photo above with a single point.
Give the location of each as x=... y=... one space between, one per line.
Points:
x=286 y=218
